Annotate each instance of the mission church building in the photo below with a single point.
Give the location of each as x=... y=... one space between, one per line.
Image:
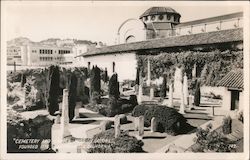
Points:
x=162 y=31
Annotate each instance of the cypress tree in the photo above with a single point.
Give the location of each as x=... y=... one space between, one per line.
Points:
x=95 y=84
x=54 y=90
x=164 y=87
x=197 y=95
x=137 y=80
x=72 y=95
x=105 y=75
x=114 y=87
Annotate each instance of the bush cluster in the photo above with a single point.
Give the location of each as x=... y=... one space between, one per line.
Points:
x=106 y=142
x=227 y=125
x=207 y=140
x=169 y=120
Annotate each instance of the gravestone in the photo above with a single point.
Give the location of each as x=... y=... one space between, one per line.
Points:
x=141 y=126
x=177 y=82
x=136 y=123
x=185 y=89
x=117 y=126
x=77 y=115
x=139 y=99
x=170 y=98
x=103 y=126
x=194 y=71
x=151 y=93
x=65 y=116
x=153 y=125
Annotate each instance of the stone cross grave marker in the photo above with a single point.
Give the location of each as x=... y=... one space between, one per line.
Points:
x=117 y=126
x=153 y=125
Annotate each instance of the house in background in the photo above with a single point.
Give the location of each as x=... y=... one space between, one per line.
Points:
x=234 y=90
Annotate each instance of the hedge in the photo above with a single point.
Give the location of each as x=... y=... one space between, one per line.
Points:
x=106 y=142
x=169 y=120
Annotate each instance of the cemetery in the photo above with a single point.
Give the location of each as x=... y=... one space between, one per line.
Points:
x=85 y=111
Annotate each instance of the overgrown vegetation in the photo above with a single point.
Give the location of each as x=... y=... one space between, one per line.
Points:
x=107 y=143
x=169 y=120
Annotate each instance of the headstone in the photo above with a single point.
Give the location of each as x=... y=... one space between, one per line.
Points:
x=103 y=126
x=136 y=123
x=153 y=125
x=149 y=74
x=77 y=115
x=194 y=71
x=151 y=93
x=178 y=83
x=139 y=99
x=141 y=126
x=182 y=106
x=117 y=126
x=65 y=116
x=170 y=98
x=185 y=89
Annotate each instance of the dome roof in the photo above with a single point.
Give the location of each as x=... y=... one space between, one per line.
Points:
x=158 y=10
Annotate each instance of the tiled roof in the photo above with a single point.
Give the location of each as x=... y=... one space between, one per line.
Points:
x=222 y=36
x=234 y=79
x=158 y=10
x=212 y=19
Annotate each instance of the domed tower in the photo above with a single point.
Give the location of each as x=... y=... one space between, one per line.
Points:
x=160 y=22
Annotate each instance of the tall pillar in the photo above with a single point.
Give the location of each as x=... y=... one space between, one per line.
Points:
x=149 y=74
x=178 y=82
x=182 y=106
x=185 y=89
x=170 y=97
x=65 y=116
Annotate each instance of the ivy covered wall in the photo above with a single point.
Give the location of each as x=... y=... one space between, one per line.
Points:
x=211 y=65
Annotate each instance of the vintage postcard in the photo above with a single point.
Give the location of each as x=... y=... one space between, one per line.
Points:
x=124 y=80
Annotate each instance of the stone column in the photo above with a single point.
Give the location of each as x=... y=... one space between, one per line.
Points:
x=149 y=73
x=185 y=89
x=194 y=71
x=182 y=106
x=65 y=115
x=117 y=126
x=77 y=115
x=141 y=126
x=139 y=98
x=153 y=125
x=178 y=82
x=151 y=95
x=170 y=97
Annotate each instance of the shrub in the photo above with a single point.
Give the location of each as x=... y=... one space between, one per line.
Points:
x=227 y=125
x=72 y=96
x=114 y=107
x=125 y=108
x=108 y=124
x=169 y=120
x=54 y=90
x=207 y=140
x=95 y=83
x=114 y=87
x=197 y=95
x=139 y=110
x=163 y=87
x=133 y=100
x=106 y=142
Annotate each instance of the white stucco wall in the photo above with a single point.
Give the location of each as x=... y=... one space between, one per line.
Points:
x=125 y=64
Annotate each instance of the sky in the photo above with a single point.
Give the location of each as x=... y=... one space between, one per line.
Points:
x=95 y=21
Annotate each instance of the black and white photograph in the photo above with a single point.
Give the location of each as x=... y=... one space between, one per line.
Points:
x=104 y=78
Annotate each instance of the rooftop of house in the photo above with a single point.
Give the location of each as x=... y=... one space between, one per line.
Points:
x=232 y=80
x=223 y=36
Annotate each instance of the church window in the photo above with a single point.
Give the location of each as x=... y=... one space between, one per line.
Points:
x=152 y=17
x=168 y=17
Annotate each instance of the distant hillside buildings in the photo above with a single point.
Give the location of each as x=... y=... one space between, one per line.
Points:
x=24 y=52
